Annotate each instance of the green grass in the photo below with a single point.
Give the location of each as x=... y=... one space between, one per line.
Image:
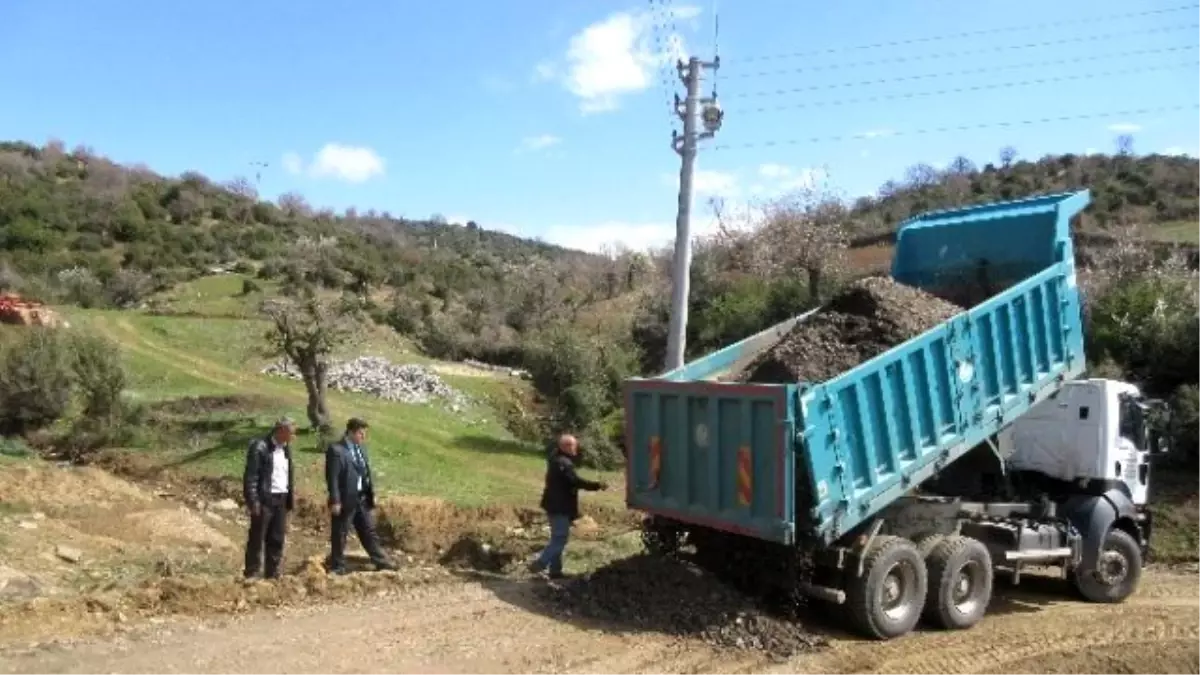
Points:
x=467 y=458
x=217 y=295
x=1184 y=231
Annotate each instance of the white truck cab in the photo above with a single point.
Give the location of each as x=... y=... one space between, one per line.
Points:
x=1092 y=430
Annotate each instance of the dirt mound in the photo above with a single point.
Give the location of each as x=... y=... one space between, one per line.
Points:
x=177 y=526
x=673 y=597
x=51 y=488
x=201 y=405
x=866 y=319
x=473 y=552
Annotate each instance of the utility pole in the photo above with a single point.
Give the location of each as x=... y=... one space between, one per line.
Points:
x=685 y=145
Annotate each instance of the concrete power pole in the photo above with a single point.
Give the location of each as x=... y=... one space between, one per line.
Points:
x=685 y=145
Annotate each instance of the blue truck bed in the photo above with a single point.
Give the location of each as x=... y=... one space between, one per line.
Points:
x=812 y=461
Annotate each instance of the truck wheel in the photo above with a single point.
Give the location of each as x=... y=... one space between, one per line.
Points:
x=885 y=602
x=926 y=543
x=1117 y=572
x=960 y=583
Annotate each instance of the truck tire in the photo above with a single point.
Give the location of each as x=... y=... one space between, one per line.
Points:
x=885 y=602
x=1117 y=571
x=960 y=583
x=927 y=542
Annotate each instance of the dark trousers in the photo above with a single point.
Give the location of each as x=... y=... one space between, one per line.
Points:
x=267 y=530
x=363 y=522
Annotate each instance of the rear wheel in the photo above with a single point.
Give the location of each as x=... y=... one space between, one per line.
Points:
x=1117 y=571
x=960 y=582
x=885 y=602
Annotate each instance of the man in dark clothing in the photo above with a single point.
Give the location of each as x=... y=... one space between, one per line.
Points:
x=268 y=487
x=351 y=498
x=560 y=501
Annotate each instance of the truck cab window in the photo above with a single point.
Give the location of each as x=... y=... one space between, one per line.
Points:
x=1132 y=421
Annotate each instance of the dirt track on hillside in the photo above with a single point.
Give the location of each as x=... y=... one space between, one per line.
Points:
x=497 y=626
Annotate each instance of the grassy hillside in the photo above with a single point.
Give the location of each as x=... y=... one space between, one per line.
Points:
x=198 y=378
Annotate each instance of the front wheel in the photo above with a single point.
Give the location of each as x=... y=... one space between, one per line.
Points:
x=886 y=601
x=1117 y=572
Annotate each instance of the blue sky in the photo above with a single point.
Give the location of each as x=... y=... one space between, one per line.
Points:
x=550 y=119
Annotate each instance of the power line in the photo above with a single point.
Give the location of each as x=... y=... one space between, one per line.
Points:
x=658 y=17
x=959 y=90
x=986 y=31
x=964 y=127
x=944 y=55
x=923 y=76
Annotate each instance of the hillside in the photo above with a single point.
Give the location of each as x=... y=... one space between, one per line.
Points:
x=78 y=228
x=1154 y=190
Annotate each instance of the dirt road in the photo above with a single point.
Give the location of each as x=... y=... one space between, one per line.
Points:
x=497 y=627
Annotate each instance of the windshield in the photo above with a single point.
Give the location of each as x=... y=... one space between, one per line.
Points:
x=1132 y=421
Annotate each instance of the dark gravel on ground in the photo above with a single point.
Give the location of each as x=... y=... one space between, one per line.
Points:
x=671 y=596
x=866 y=319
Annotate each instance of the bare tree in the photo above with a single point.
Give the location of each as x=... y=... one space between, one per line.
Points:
x=1008 y=154
x=961 y=166
x=294 y=205
x=308 y=330
x=1125 y=145
x=805 y=230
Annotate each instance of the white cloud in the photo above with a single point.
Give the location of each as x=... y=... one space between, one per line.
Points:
x=614 y=57
x=352 y=164
x=1175 y=150
x=539 y=142
x=784 y=178
x=1125 y=127
x=772 y=170
x=707 y=182
x=877 y=133
x=771 y=180
x=636 y=235
x=1090 y=151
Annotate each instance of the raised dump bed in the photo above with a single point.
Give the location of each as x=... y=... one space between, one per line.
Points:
x=814 y=460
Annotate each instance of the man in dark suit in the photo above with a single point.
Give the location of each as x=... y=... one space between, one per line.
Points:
x=560 y=500
x=269 y=490
x=351 y=498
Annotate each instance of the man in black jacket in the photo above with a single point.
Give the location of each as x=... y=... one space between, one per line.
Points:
x=351 y=498
x=268 y=487
x=560 y=500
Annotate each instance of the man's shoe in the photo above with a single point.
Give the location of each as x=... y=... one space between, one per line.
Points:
x=385 y=566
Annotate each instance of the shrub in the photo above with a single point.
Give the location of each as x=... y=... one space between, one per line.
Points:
x=250 y=286
x=35 y=381
x=128 y=287
x=100 y=376
x=81 y=287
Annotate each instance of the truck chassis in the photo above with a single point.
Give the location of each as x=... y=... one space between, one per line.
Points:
x=927 y=557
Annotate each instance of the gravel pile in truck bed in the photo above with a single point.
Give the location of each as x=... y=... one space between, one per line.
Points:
x=670 y=596
x=864 y=320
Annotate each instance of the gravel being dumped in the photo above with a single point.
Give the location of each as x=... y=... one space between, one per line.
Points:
x=665 y=595
x=866 y=319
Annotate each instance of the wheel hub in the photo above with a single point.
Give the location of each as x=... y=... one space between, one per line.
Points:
x=896 y=586
x=1112 y=568
x=966 y=583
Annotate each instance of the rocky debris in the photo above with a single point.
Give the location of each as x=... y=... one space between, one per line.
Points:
x=511 y=372
x=224 y=505
x=665 y=595
x=866 y=319
x=27 y=525
x=375 y=375
x=16 y=586
x=68 y=553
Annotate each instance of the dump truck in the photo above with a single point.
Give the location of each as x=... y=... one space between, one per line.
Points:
x=900 y=487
